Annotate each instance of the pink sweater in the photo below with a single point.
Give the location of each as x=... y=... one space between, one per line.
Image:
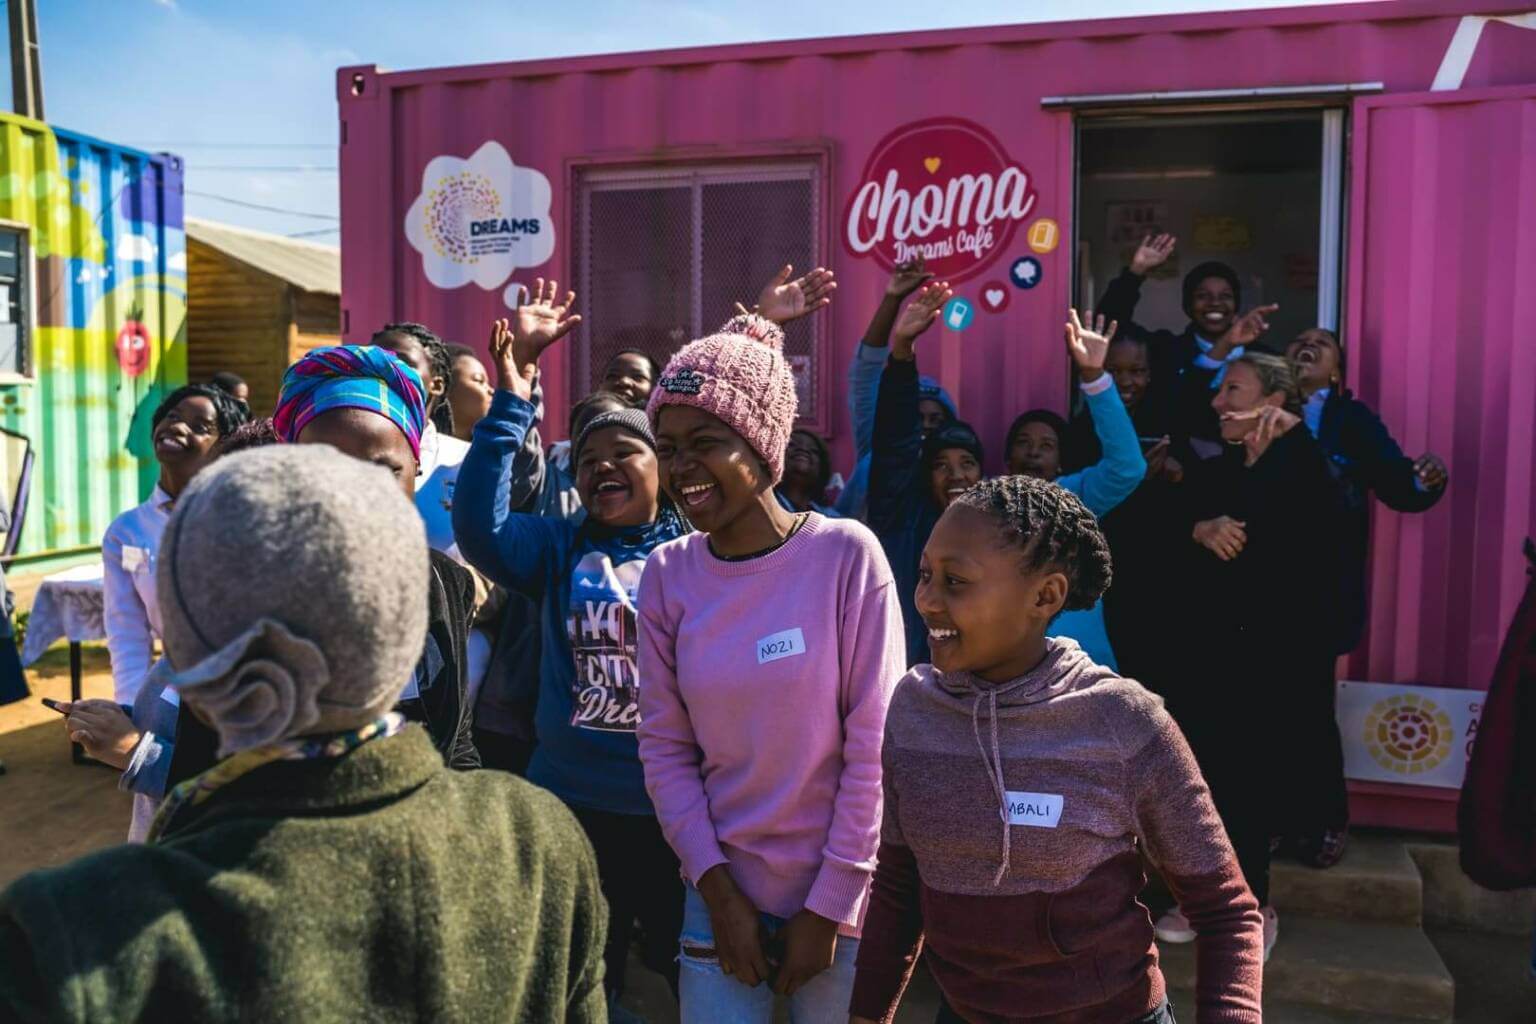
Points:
x=763 y=697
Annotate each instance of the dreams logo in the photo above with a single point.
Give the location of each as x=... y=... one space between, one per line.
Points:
x=480 y=219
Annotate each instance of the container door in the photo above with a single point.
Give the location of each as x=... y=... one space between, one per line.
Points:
x=1441 y=339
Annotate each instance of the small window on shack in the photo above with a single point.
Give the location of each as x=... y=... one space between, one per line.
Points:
x=664 y=254
x=15 y=332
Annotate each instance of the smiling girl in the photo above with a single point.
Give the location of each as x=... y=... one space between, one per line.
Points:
x=585 y=579
x=184 y=430
x=1023 y=783
x=769 y=645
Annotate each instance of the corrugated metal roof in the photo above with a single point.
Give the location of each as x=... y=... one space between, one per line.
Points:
x=308 y=265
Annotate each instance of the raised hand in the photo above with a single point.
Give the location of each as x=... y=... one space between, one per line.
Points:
x=1089 y=345
x=539 y=321
x=1431 y=471
x=1249 y=327
x=504 y=360
x=1224 y=536
x=1270 y=422
x=907 y=278
x=917 y=317
x=783 y=300
x=1153 y=252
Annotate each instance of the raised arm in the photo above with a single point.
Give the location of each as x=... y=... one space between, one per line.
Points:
x=1124 y=292
x=898 y=436
x=1121 y=468
x=870 y=354
x=514 y=549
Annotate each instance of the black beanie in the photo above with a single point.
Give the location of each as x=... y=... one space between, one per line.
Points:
x=1045 y=416
x=954 y=434
x=633 y=420
x=1214 y=268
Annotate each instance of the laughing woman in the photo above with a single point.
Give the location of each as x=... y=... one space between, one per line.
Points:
x=584 y=578
x=770 y=643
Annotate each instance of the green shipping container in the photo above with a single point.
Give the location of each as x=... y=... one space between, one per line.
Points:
x=93 y=303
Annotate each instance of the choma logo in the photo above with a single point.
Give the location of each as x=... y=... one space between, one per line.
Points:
x=942 y=189
x=480 y=219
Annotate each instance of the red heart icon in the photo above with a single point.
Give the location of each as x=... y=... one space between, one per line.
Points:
x=994 y=296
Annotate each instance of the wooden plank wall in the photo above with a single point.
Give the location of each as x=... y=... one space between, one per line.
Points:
x=251 y=323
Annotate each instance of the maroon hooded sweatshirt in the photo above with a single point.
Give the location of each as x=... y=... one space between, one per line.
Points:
x=1016 y=815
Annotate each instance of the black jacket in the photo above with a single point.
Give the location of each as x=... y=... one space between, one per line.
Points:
x=901 y=508
x=1364 y=459
x=1273 y=607
x=1178 y=382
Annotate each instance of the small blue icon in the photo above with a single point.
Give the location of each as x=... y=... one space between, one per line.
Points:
x=958 y=313
x=1025 y=272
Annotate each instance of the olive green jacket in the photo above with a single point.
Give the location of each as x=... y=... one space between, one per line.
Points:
x=377 y=887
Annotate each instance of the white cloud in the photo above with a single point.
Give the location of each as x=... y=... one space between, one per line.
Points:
x=135 y=249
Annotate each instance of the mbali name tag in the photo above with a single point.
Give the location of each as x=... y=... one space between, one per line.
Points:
x=780 y=645
x=1038 y=810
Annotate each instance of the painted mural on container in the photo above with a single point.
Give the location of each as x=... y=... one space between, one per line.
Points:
x=103 y=327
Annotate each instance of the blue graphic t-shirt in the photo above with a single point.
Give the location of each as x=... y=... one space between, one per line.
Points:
x=601 y=628
x=585 y=579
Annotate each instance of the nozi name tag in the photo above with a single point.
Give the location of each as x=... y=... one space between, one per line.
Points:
x=780 y=645
x=1039 y=810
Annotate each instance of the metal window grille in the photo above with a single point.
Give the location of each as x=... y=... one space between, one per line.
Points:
x=14 y=285
x=665 y=253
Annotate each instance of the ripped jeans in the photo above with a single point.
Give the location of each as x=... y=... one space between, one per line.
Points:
x=708 y=996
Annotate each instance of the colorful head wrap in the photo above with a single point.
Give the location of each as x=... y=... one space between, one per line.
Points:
x=351 y=377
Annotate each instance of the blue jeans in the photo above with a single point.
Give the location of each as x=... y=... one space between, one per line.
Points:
x=709 y=996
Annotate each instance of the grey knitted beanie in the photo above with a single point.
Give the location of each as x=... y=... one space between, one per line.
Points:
x=293 y=591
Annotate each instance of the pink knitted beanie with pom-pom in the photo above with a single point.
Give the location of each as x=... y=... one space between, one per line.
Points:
x=739 y=375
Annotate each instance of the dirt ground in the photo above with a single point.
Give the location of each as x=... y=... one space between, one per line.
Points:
x=52 y=810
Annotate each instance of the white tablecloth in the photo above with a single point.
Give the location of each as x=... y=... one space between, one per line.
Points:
x=69 y=604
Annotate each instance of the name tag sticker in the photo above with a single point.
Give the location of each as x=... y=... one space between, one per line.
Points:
x=132 y=558
x=787 y=644
x=1038 y=810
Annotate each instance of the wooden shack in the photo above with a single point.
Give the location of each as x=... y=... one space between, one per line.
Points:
x=257 y=302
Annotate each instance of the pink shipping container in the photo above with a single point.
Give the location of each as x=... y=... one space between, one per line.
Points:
x=1370 y=167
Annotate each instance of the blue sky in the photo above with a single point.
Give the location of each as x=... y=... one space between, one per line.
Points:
x=245 y=90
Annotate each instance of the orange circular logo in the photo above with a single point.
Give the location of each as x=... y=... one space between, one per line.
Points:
x=1043 y=236
x=1408 y=734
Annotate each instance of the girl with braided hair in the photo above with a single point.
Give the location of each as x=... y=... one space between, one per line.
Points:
x=1081 y=771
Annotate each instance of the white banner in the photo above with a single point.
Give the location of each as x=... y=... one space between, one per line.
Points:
x=1419 y=735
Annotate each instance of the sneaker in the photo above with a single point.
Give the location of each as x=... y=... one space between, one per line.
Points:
x=1271 y=930
x=1174 y=927
x=1324 y=849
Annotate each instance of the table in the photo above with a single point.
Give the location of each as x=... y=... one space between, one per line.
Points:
x=69 y=604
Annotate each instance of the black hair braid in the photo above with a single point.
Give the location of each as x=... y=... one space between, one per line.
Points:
x=1054 y=529
x=441 y=361
x=442 y=368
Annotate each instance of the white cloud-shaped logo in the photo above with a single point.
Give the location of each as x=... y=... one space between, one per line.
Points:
x=480 y=219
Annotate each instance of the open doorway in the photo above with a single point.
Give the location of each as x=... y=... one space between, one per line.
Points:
x=1260 y=190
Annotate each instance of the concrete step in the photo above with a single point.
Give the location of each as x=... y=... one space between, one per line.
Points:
x=1290 y=1013
x=1376 y=881
x=1452 y=900
x=1349 y=967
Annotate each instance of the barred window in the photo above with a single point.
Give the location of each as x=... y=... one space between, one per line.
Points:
x=664 y=254
x=15 y=314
